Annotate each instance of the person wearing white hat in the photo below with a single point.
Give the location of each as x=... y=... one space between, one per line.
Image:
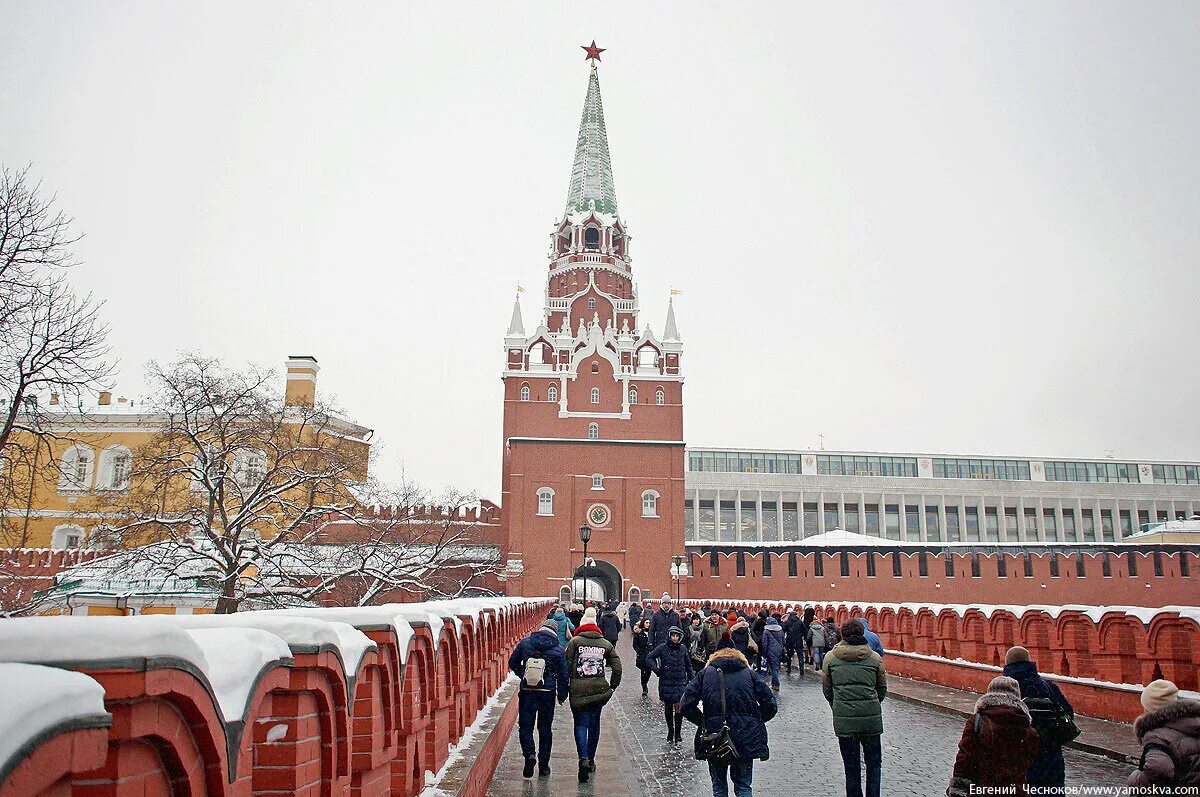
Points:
x=1170 y=735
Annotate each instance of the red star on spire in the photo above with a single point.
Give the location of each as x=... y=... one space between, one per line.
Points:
x=593 y=52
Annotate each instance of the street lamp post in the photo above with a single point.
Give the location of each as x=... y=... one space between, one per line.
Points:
x=585 y=534
x=679 y=570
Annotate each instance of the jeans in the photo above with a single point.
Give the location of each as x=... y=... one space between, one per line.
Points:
x=818 y=657
x=742 y=773
x=774 y=670
x=535 y=707
x=873 y=754
x=587 y=730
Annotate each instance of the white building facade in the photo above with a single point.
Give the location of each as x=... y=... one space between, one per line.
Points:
x=760 y=497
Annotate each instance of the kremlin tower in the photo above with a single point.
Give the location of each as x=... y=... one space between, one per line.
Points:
x=593 y=406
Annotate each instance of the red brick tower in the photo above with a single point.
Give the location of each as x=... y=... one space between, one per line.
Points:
x=593 y=407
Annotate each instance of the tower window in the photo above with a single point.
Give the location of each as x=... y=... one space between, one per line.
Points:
x=524 y=392
x=593 y=431
x=591 y=238
x=591 y=302
x=633 y=395
x=552 y=393
x=545 y=501
x=660 y=397
x=595 y=395
x=649 y=504
x=597 y=482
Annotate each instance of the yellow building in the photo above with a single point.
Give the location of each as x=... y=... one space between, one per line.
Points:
x=86 y=470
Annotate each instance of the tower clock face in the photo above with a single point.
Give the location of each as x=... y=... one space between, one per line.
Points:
x=598 y=515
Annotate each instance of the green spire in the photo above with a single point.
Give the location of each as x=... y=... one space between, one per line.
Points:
x=591 y=175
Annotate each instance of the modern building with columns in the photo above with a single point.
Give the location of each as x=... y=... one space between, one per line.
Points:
x=760 y=497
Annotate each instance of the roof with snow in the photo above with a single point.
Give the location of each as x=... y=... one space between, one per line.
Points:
x=842 y=538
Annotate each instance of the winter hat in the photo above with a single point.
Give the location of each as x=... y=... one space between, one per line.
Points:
x=1005 y=685
x=731 y=617
x=1016 y=653
x=589 y=616
x=726 y=641
x=1158 y=693
x=675 y=630
x=666 y=599
x=550 y=626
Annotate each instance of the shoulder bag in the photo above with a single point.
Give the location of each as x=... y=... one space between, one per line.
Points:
x=719 y=743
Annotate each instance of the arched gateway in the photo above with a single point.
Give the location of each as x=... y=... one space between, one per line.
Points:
x=602 y=579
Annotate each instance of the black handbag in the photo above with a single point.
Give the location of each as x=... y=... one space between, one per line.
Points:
x=719 y=743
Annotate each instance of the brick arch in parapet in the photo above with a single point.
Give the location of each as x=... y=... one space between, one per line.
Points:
x=1074 y=638
x=972 y=635
x=947 y=634
x=1121 y=641
x=886 y=617
x=906 y=629
x=1035 y=635
x=1174 y=646
x=925 y=631
x=1002 y=631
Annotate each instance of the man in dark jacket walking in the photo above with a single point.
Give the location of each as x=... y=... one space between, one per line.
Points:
x=795 y=632
x=535 y=701
x=662 y=621
x=635 y=613
x=854 y=682
x=672 y=663
x=1045 y=702
x=748 y=706
x=610 y=624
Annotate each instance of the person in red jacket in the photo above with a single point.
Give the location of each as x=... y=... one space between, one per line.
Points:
x=998 y=742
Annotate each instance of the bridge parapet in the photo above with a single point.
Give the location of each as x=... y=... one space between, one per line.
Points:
x=340 y=701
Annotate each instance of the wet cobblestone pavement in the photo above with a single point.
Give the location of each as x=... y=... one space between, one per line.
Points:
x=918 y=750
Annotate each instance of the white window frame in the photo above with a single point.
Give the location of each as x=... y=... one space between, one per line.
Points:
x=60 y=537
x=70 y=479
x=107 y=478
x=597 y=481
x=524 y=392
x=593 y=431
x=595 y=395
x=545 y=496
x=591 y=303
x=245 y=473
x=633 y=395
x=660 y=396
x=650 y=503
x=552 y=393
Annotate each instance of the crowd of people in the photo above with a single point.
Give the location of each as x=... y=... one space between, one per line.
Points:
x=719 y=668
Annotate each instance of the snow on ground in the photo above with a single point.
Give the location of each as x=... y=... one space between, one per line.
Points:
x=34 y=699
x=457 y=751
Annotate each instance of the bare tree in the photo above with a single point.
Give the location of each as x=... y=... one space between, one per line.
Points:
x=52 y=342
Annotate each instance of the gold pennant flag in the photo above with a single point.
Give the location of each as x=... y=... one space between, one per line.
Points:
x=675 y=292
x=520 y=289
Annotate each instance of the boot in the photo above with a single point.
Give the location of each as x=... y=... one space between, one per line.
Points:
x=530 y=763
x=591 y=765
x=678 y=728
x=583 y=770
x=544 y=771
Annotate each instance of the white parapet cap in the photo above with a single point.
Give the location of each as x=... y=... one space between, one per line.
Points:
x=39 y=700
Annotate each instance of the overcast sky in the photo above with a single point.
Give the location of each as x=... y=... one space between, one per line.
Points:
x=938 y=227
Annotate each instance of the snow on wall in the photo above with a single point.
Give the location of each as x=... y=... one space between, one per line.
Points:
x=35 y=699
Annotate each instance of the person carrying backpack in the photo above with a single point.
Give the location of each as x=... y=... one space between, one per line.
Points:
x=1053 y=718
x=731 y=727
x=998 y=743
x=541 y=664
x=587 y=654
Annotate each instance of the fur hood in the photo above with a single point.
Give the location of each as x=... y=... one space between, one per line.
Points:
x=739 y=624
x=1176 y=710
x=727 y=655
x=997 y=699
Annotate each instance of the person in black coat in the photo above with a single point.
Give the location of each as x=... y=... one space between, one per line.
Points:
x=672 y=663
x=635 y=614
x=535 y=704
x=1044 y=700
x=641 y=647
x=749 y=705
x=610 y=624
x=795 y=632
x=662 y=621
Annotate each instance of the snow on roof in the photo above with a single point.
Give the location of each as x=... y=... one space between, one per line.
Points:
x=36 y=699
x=841 y=537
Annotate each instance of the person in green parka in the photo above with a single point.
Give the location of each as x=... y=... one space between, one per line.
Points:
x=855 y=684
x=587 y=654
